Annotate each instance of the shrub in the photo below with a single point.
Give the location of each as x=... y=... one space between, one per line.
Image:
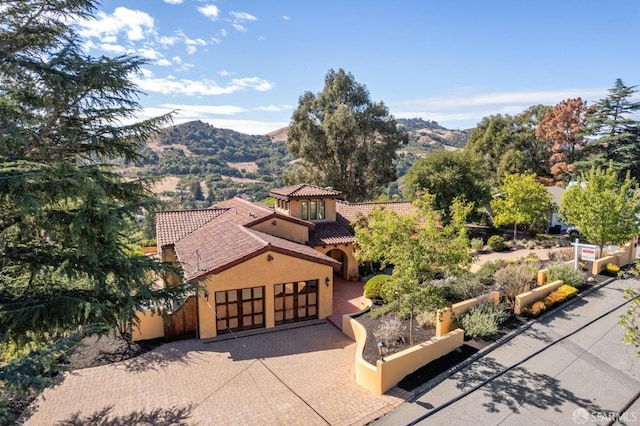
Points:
x=612 y=268
x=554 y=298
x=483 y=320
x=373 y=287
x=461 y=287
x=426 y=319
x=485 y=274
x=565 y=273
x=561 y=255
x=535 y=309
x=477 y=244
x=567 y=290
x=515 y=279
x=390 y=331
x=496 y=243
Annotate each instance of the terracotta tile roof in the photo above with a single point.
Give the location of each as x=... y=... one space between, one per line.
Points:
x=175 y=224
x=244 y=211
x=350 y=211
x=284 y=217
x=223 y=243
x=304 y=190
x=329 y=233
x=212 y=240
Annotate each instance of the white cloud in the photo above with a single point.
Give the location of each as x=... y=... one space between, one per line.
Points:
x=286 y=18
x=216 y=40
x=225 y=73
x=149 y=53
x=146 y=72
x=164 y=63
x=136 y=24
x=274 y=108
x=192 y=43
x=203 y=110
x=174 y=1
x=210 y=11
x=242 y=16
x=201 y=87
x=223 y=32
x=191 y=50
x=465 y=108
x=252 y=127
x=167 y=41
x=115 y=48
x=239 y=27
x=177 y=59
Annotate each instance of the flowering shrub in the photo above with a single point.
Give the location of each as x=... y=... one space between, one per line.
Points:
x=567 y=290
x=612 y=268
x=554 y=298
x=535 y=309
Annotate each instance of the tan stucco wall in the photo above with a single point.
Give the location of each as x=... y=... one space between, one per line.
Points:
x=351 y=270
x=284 y=229
x=386 y=374
x=168 y=254
x=259 y=271
x=445 y=318
x=151 y=326
x=295 y=209
x=525 y=299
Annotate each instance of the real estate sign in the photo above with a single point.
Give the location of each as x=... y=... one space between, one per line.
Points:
x=588 y=254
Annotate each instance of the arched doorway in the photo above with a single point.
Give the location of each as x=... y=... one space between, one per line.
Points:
x=341 y=257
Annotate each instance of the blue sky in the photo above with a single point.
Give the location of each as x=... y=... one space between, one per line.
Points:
x=243 y=64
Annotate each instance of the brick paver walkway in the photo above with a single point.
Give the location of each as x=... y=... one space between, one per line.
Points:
x=302 y=376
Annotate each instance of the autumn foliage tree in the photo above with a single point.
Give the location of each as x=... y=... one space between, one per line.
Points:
x=561 y=128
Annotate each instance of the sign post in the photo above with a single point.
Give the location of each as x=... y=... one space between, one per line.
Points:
x=588 y=253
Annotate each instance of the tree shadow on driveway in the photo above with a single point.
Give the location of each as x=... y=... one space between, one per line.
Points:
x=518 y=388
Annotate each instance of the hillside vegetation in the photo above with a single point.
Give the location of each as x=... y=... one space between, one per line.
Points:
x=231 y=163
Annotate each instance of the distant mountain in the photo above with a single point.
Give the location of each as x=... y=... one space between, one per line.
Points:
x=229 y=163
x=424 y=135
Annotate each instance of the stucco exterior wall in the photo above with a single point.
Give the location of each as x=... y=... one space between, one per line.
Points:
x=168 y=254
x=350 y=270
x=284 y=229
x=259 y=271
x=151 y=326
x=295 y=209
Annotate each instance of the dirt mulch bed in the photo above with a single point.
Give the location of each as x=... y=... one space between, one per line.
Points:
x=94 y=351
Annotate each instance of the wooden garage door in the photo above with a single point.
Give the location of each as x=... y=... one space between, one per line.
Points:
x=296 y=301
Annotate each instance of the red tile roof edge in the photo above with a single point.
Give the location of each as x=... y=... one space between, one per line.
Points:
x=283 y=217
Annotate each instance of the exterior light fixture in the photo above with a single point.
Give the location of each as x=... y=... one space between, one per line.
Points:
x=381 y=349
x=269 y=258
x=327 y=281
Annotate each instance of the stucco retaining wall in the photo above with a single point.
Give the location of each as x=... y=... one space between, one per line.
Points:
x=444 y=321
x=525 y=299
x=151 y=326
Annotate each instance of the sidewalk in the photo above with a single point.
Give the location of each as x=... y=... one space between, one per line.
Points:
x=580 y=380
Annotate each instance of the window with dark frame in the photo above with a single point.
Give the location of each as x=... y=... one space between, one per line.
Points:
x=313 y=210
x=305 y=210
x=321 y=215
x=241 y=309
x=295 y=301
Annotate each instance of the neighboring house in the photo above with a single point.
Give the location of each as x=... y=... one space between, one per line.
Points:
x=555 y=224
x=263 y=266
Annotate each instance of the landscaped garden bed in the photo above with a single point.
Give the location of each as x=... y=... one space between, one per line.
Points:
x=510 y=278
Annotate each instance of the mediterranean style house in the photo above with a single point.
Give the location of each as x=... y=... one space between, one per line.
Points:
x=263 y=266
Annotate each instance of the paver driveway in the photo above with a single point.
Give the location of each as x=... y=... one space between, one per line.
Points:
x=301 y=376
